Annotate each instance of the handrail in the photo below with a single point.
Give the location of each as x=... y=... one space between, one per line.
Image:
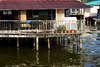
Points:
x=37 y=24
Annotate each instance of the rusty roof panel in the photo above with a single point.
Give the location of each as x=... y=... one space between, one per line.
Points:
x=40 y=4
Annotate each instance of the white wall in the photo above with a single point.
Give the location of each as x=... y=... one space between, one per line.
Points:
x=79 y=0
x=92 y=11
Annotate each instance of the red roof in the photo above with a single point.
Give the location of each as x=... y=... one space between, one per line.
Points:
x=40 y=4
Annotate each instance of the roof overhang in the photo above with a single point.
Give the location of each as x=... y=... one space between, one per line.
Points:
x=40 y=4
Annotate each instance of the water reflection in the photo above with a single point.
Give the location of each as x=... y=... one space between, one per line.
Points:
x=57 y=56
x=60 y=54
x=91 y=50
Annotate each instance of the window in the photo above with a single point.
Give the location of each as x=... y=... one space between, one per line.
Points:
x=73 y=11
x=87 y=10
x=67 y=12
x=35 y=13
x=7 y=12
x=98 y=14
x=29 y=13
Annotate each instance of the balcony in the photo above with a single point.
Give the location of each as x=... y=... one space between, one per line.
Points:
x=31 y=26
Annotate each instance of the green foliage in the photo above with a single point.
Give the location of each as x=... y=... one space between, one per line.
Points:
x=86 y=1
x=79 y=24
x=61 y=28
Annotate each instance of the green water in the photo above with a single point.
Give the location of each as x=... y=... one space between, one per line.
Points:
x=57 y=56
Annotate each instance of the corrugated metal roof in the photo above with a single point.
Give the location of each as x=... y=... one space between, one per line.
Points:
x=40 y=4
x=97 y=2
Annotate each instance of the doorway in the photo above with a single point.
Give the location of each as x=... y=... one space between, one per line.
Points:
x=7 y=15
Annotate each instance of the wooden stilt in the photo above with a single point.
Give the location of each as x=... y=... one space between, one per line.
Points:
x=48 y=43
x=37 y=57
x=37 y=48
x=74 y=48
x=48 y=55
x=34 y=45
x=95 y=23
x=68 y=46
x=80 y=43
x=60 y=40
x=17 y=42
x=74 y=45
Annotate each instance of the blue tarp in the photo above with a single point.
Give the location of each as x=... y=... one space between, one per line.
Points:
x=35 y=23
x=28 y=21
x=97 y=2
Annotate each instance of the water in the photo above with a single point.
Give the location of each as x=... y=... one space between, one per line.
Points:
x=57 y=56
x=91 y=50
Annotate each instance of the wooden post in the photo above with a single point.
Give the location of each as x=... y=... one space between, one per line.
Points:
x=84 y=21
x=81 y=58
x=48 y=55
x=37 y=48
x=23 y=15
x=80 y=43
x=74 y=45
x=48 y=43
x=56 y=14
x=95 y=23
x=17 y=42
x=34 y=45
x=68 y=46
x=37 y=57
x=60 y=40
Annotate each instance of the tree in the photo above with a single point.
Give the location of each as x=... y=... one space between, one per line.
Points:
x=85 y=1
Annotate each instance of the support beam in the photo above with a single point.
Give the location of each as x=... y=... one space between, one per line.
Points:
x=23 y=15
x=59 y=14
x=56 y=14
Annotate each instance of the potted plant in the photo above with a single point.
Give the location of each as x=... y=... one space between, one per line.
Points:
x=72 y=31
x=60 y=29
x=64 y=28
x=75 y=30
x=68 y=31
x=55 y=31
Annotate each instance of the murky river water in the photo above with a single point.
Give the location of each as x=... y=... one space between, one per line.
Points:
x=57 y=56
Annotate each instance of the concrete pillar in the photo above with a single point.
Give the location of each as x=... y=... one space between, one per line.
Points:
x=23 y=15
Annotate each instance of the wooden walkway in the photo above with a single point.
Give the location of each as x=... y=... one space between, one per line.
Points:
x=27 y=34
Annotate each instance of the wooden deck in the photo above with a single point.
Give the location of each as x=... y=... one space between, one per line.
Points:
x=26 y=34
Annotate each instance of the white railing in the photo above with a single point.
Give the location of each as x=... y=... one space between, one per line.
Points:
x=16 y=25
